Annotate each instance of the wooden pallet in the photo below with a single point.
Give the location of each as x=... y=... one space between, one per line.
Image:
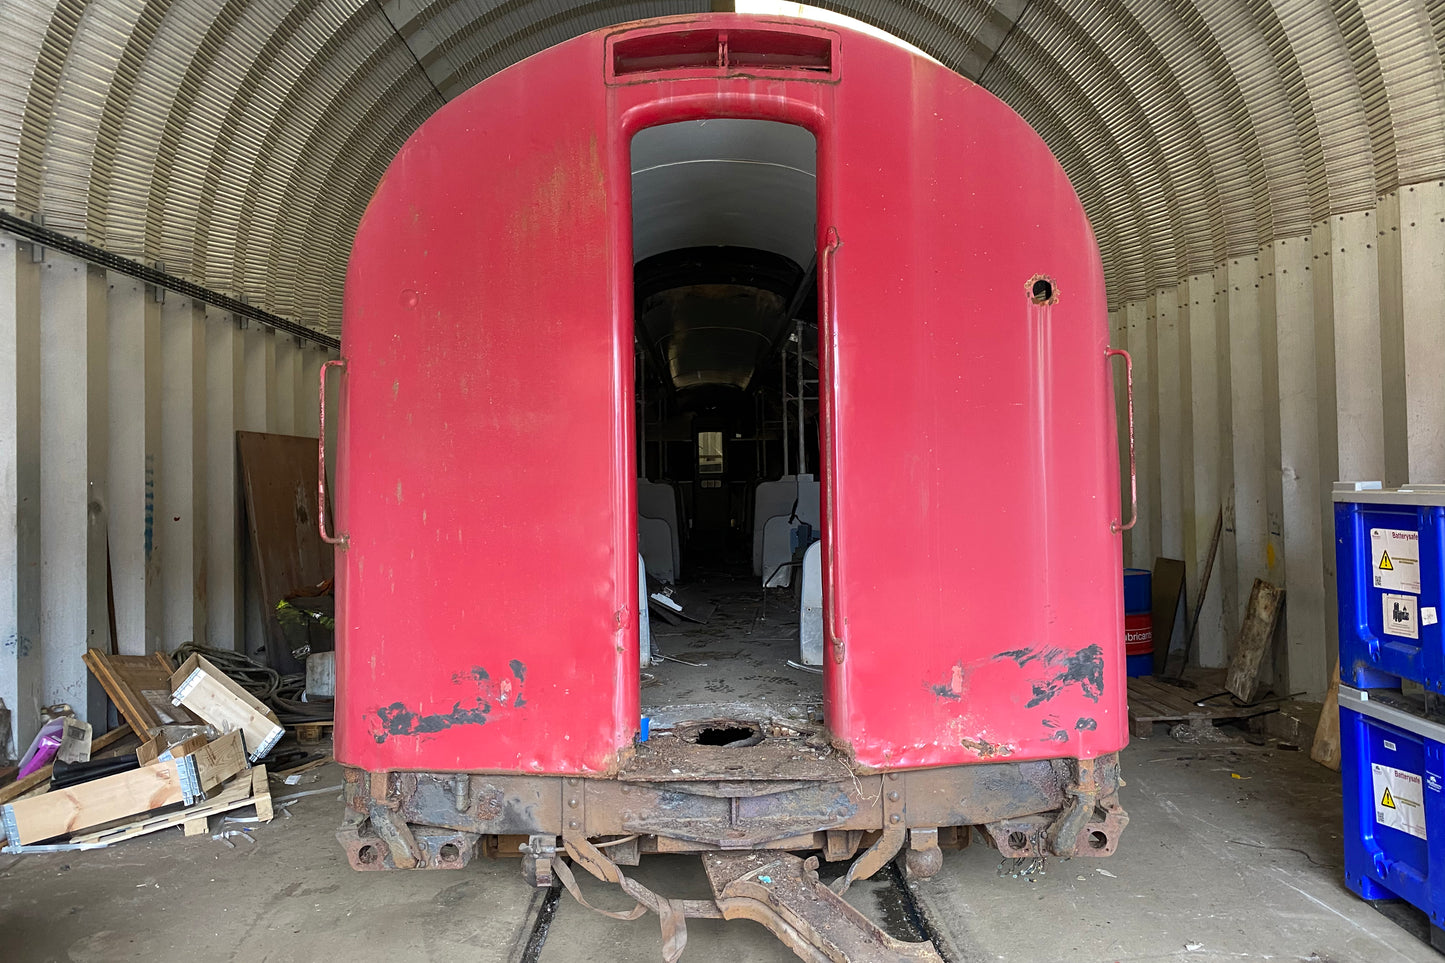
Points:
x=1152 y=701
x=309 y=733
x=250 y=788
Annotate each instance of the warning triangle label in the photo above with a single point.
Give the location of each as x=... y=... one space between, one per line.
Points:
x=1388 y=801
x=1385 y=563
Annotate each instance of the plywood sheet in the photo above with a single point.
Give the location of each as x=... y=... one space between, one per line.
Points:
x=279 y=477
x=1168 y=588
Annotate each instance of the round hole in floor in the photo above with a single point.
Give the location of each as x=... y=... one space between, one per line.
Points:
x=724 y=734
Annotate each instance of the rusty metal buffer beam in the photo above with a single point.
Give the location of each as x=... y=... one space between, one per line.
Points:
x=1057 y=807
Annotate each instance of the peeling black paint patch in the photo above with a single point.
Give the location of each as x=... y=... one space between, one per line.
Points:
x=1086 y=724
x=1051 y=723
x=1060 y=735
x=944 y=692
x=1022 y=656
x=472 y=709
x=398 y=720
x=1084 y=668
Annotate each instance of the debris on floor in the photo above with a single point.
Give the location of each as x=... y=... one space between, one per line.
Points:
x=1192 y=735
x=189 y=749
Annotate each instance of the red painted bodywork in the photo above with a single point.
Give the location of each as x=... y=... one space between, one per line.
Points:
x=487 y=596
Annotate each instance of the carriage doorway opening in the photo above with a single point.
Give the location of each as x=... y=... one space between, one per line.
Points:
x=725 y=279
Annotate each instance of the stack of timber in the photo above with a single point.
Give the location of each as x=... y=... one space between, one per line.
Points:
x=199 y=735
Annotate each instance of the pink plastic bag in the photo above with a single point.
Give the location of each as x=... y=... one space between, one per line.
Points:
x=44 y=748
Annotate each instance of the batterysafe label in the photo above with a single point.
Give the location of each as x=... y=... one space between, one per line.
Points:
x=1399 y=800
x=1400 y=616
x=1395 y=558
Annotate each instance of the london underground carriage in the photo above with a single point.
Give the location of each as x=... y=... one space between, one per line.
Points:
x=617 y=266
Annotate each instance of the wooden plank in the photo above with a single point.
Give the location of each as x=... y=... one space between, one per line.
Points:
x=237 y=793
x=1255 y=638
x=41 y=777
x=1326 y=747
x=1168 y=592
x=140 y=687
x=261 y=792
x=94 y=803
x=216 y=698
x=278 y=474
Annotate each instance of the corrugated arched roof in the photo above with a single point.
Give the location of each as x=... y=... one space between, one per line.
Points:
x=237 y=143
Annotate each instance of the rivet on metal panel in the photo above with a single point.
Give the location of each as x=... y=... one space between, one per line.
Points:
x=572 y=803
x=893 y=796
x=895 y=818
x=572 y=824
x=893 y=776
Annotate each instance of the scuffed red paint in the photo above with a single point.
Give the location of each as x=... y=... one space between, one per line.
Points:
x=969 y=462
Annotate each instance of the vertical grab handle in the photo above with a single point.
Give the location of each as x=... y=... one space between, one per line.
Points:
x=1114 y=526
x=837 y=621
x=326 y=536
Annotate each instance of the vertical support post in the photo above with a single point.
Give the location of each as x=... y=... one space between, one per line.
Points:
x=1226 y=571
x=20 y=667
x=1247 y=434
x=180 y=530
x=287 y=381
x=1170 y=428
x=1422 y=246
x=1358 y=364
x=1326 y=391
x=1388 y=260
x=260 y=378
x=1306 y=663
x=74 y=613
x=134 y=318
x=224 y=400
x=1207 y=435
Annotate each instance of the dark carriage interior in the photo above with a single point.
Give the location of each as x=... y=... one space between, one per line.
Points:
x=726 y=338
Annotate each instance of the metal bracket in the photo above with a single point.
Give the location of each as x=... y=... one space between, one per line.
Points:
x=895 y=832
x=537 y=864
x=190 y=779
x=184 y=689
x=7 y=816
x=52 y=847
x=274 y=738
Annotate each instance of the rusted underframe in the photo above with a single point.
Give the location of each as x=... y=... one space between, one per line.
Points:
x=1052 y=807
x=1065 y=807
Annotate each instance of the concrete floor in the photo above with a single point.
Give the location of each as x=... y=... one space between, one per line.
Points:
x=1233 y=849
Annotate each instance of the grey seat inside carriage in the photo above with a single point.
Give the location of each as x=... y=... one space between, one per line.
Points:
x=657 y=529
x=773 y=522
